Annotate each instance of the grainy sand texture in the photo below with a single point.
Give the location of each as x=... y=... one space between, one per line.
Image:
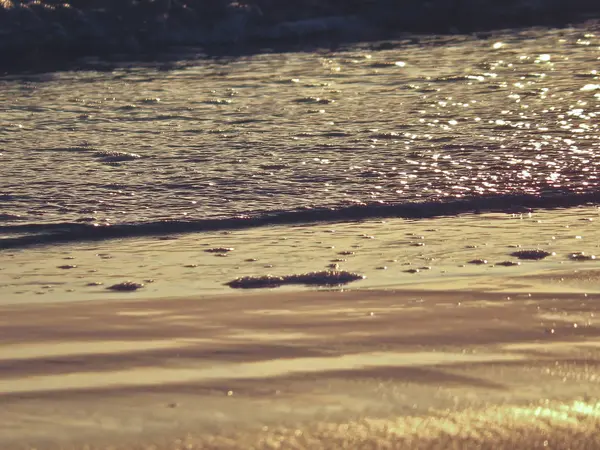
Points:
x=362 y=369
x=458 y=355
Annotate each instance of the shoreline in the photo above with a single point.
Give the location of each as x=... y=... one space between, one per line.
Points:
x=40 y=234
x=471 y=355
x=471 y=251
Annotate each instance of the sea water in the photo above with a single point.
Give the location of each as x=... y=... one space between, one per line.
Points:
x=410 y=128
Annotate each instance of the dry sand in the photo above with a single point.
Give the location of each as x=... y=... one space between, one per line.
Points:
x=450 y=357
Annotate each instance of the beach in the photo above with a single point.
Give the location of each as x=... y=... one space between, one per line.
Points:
x=369 y=241
x=370 y=369
x=458 y=355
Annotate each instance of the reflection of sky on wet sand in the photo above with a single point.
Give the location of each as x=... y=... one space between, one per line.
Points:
x=355 y=369
x=152 y=376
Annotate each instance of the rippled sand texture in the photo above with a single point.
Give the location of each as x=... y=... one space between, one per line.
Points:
x=309 y=370
x=417 y=119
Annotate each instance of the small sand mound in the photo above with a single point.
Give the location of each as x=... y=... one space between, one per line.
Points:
x=322 y=101
x=264 y=281
x=532 y=254
x=478 y=261
x=126 y=286
x=219 y=250
x=508 y=263
x=322 y=278
x=581 y=256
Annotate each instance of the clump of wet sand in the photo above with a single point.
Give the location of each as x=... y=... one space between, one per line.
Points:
x=189 y=265
x=536 y=254
x=322 y=278
x=126 y=286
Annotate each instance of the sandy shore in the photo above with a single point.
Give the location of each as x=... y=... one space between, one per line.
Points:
x=434 y=254
x=456 y=356
x=358 y=369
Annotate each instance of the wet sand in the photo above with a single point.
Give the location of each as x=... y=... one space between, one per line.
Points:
x=430 y=254
x=358 y=369
x=457 y=356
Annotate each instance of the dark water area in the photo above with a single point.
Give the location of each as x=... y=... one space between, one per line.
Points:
x=418 y=127
x=48 y=34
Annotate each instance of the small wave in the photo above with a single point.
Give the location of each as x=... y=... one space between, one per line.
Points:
x=46 y=234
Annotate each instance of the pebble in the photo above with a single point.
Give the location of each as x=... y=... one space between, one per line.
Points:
x=412 y=271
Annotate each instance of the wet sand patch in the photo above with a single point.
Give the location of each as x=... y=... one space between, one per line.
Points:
x=397 y=365
x=452 y=242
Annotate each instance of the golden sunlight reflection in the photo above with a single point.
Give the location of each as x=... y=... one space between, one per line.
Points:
x=495 y=423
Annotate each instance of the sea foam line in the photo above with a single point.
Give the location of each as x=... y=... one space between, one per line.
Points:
x=41 y=234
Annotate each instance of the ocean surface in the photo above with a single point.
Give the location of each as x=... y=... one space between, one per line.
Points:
x=418 y=127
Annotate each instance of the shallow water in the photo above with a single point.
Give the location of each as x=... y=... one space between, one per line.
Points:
x=218 y=138
x=460 y=253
